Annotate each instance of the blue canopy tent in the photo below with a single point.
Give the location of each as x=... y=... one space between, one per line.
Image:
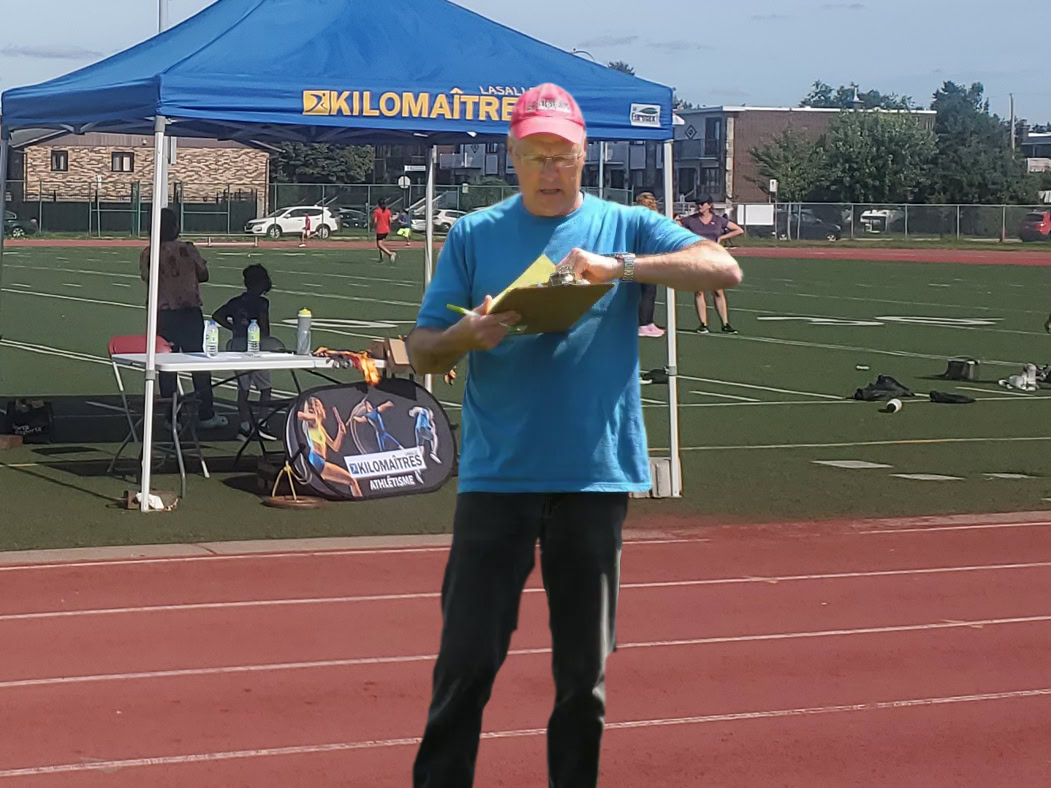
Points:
x=310 y=71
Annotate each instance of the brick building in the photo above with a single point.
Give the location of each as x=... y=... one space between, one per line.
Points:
x=69 y=167
x=712 y=146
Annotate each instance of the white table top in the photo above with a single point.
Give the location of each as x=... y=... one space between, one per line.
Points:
x=228 y=362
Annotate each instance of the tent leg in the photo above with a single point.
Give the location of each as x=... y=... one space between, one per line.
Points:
x=5 y=145
x=673 y=369
x=160 y=187
x=428 y=218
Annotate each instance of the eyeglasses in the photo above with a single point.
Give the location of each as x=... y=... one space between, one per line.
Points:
x=563 y=161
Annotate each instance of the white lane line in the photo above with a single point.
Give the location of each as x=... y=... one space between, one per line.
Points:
x=975 y=624
x=336 y=600
x=723 y=396
x=761 y=388
x=71 y=284
x=904 y=442
x=937 y=528
x=412 y=741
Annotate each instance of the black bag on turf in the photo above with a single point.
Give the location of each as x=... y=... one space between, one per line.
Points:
x=32 y=419
x=961 y=369
x=884 y=388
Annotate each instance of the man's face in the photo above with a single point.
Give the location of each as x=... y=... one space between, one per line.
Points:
x=549 y=170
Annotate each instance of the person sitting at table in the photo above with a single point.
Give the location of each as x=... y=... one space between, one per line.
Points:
x=235 y=315
x=179 y=317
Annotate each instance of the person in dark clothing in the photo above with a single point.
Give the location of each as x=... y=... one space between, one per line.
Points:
x=718 y=229
x=179 y=317
x=648 y=294
x=235 y=315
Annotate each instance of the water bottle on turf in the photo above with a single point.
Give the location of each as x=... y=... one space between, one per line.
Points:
x=303 y=333
x=211 y=339
x=253 y=338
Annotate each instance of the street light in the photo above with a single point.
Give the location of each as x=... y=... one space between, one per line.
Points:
x=601 y=145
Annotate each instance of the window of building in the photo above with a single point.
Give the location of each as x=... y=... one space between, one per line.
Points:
x=59 y=161
x=123 y=162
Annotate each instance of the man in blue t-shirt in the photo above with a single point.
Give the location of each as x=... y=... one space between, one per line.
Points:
x=553 y=437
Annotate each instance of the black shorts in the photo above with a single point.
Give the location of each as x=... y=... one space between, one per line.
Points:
x=381 y=236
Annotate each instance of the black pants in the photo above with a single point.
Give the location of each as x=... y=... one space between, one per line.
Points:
x=647 y=303
x=184 y=330
x=494 y=539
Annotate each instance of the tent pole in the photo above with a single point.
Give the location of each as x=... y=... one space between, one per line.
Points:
x=602 y=170
x=160 y=186
x=5 y=145
x=673 y=368
x=428 y=218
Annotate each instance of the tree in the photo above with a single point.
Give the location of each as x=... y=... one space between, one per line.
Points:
x=681 y=103
x=876 y=157
x=974 y=162
x=824 y=95
x=322 y=163
x=621 y=66
x=794 y=161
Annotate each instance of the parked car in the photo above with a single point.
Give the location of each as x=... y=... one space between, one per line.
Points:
x=290 y=221
x=1036 y=226
x=18 y=228
x=352 y=217
x=806 y=225
x=444 y=219
x=882 y=220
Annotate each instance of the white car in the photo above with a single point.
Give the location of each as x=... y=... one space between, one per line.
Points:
x=444 y=219
x=291 y=220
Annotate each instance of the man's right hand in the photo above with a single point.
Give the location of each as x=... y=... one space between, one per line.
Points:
x=481 y=330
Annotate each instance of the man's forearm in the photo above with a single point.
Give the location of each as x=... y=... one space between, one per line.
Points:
x=703 y=266
x=432 y=350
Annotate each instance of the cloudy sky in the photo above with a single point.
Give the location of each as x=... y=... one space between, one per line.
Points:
x=757 y=52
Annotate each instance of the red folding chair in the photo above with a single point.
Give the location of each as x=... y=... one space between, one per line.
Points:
x=136 y=343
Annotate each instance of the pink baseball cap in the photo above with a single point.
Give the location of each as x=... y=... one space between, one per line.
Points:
x=548 y=109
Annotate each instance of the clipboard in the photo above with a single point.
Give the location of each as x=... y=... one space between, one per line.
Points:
x=550 y=308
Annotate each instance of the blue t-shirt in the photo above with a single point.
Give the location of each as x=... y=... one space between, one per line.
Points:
x=551 y=412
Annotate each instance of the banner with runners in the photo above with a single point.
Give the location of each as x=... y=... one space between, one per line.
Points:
x=357 y=441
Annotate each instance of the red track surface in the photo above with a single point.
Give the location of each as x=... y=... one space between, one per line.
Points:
x=982 y=256
x=905 y=653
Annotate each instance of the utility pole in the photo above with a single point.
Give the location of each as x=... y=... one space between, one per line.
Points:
x=1012 y=122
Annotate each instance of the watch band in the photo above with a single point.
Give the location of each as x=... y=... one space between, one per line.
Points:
x=628 y=261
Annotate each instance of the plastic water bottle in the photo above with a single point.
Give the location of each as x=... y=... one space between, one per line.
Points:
x=303 y=344
x=211 y=339
x=253 y=338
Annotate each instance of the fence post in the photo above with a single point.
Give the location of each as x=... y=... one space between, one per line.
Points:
x=40 y=204
x=957 y=222
x=906 y=220
x=228 y=208
x=853 y=213
x=1003 y=224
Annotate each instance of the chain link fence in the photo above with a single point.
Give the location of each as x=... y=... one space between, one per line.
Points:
x=107 y=207
x=882 y=221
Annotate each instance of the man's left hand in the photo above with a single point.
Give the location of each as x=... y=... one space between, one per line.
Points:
x=593 y=267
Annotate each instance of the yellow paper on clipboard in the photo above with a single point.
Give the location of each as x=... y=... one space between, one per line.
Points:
x=537 y=273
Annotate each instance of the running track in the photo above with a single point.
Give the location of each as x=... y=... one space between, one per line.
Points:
x=892 y=652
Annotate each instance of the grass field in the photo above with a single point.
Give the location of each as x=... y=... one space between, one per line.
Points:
x=760 y=411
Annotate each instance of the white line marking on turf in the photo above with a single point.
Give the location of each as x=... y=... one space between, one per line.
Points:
x=723 y=396
x=1009 y=476
x=928 y=477
x=71 y=284
x=412 y=741
x=994 y=391
x=340 y=600
x=851 y=464
x=20 y=284
x=854 y=444
x=976 y=624
x=120 y=284
x=761 y=388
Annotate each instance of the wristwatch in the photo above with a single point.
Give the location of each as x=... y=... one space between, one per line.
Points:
x=628 y=261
